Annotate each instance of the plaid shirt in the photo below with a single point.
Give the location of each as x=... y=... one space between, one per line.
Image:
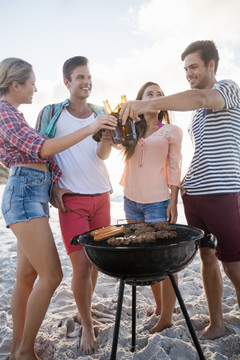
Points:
x=19 y=142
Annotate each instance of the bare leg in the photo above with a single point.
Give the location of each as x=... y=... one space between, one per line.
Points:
x=213 y=287
x=232 y=270
x=25 y=278
x=82 y=290
x=37 y=254
x=168 y=303
x=157 y=293
x=94 y=276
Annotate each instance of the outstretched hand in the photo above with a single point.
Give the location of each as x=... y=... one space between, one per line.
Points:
x=133 y=109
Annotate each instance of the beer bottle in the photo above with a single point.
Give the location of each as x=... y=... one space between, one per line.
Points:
x=124 y=99
x=123 y=134
x=98 y=135
x=129 y=128
x=107 y=107
x=117 y=134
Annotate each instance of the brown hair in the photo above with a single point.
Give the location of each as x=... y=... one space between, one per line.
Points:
x=71 y=64
x=141 y=126
x=13 y=69
x=206 y=49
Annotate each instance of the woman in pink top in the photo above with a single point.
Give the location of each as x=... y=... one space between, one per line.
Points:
x=151 y=181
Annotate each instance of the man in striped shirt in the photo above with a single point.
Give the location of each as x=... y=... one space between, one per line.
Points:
x=211 y=191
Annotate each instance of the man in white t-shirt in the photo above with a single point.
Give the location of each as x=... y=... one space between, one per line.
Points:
x=82 y=194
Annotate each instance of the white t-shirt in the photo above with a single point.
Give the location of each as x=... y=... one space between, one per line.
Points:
x=82 y=170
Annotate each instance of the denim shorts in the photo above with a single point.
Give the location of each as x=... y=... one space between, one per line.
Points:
x=26 y=195
x=145 y=212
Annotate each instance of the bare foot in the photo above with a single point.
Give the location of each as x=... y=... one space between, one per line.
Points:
x=88 y=344
x=210 y=332
x=78 y=319
x=160 y=326
x=158 y=310
x=11 y=357
x=25 y=356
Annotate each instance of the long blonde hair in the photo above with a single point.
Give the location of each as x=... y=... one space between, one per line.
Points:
x=141 y=126
x=13 y=69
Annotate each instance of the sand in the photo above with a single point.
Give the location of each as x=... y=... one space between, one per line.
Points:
x=59 y=335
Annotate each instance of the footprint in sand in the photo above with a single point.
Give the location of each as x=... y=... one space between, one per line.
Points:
x=73 y=329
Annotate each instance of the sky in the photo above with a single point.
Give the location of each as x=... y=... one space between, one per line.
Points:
x=127 y=42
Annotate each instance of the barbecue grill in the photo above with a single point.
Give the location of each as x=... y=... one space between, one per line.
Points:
x=145 y=264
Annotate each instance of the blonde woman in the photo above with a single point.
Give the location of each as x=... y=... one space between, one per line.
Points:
x=33 y=171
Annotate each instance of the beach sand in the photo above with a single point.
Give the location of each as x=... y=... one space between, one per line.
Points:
x=59 y=335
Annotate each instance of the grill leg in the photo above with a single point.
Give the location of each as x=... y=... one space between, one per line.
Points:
x=133 y=318
x=187 y=318
x=117 y=320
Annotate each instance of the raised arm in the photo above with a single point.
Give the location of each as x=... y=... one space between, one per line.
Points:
x=53 y=146
x=184 y=101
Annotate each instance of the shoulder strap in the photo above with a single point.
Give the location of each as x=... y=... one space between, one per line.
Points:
x=52 y=108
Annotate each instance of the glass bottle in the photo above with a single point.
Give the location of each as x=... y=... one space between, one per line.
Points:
x=123 y=134
x=107 y=107
x=98 y=135
x=129 y=129
x=117 y=134
x=124 y=99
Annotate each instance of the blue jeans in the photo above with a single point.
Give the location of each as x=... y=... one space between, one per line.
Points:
x=26 y=195
x=151 y=212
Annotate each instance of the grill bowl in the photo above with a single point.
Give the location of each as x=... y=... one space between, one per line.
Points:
x=143 y=262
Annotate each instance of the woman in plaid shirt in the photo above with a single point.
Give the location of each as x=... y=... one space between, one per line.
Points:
x=33 y=171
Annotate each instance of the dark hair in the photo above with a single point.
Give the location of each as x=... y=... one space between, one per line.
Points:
x=141 y=126
x=206 y=49
x=13 y=69
x=71 y=64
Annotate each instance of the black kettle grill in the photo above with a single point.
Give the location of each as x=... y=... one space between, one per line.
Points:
x=145 y=264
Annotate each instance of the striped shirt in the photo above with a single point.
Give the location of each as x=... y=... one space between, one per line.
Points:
x=215 y=167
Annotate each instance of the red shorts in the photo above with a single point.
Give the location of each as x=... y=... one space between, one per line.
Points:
x=219 y=215
x=93 y=212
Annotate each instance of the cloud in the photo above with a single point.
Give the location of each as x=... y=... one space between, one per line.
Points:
x=165 y=28
x=158 y=32
x=169 y=27
x=158 y=19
